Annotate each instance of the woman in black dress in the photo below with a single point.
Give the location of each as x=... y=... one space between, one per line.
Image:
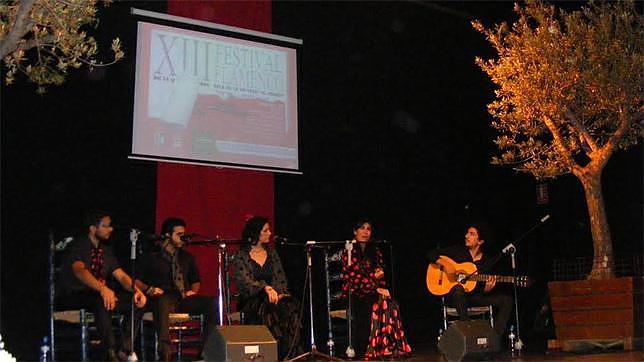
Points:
x=263 y=292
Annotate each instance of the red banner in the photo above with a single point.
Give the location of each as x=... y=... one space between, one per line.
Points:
x=215 y=201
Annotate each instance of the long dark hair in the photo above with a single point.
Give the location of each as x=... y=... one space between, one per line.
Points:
x=370 y=250
x=253 y=228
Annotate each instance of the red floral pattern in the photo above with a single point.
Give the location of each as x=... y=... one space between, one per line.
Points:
x=360 y=275
x=387 y=339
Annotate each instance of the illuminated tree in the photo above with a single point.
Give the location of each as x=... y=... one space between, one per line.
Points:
x=43 y=39
x=569 y=95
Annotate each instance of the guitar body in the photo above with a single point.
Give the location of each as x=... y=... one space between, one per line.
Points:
x=439 y=282
x=443 y=275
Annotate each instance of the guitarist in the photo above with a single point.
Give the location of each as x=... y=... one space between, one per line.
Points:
x=473 y=251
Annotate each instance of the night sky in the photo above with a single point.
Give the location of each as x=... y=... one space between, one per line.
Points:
x=394 y=127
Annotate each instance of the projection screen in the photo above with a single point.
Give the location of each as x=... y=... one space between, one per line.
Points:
x=218 y=95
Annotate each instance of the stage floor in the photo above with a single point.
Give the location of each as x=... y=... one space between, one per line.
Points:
x=429 y=353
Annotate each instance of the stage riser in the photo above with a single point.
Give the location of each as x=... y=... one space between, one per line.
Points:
x=597 y=310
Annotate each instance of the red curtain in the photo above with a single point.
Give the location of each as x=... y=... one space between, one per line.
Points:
x=215 y=202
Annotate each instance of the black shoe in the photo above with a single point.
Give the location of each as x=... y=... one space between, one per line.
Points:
x=123 y=355
x=111 y=355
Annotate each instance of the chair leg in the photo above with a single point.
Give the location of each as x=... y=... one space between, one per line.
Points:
x=180 y=346
x=491 y=316
x=444 y=314
x=84 y=337
x=142 y=339
x=156 y=345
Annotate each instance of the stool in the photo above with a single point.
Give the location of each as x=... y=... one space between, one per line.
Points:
x=180 y=324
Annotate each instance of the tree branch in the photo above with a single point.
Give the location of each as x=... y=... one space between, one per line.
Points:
x=561 y=148
x=21 y=26
x=607 y=150
x=32 y=43
x=582 y=130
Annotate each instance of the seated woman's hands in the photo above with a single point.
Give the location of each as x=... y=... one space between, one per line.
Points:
x=384 y=292
x=272 y=294
x=379 y=273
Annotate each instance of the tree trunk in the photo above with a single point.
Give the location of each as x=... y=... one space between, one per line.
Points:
x=603 y=266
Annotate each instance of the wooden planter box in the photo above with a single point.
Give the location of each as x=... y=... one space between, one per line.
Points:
x=597 y=311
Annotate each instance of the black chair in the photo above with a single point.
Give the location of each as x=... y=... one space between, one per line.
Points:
x=480 y=312
x=79 y=321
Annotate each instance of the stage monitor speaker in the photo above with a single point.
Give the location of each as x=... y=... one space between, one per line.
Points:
x=469 y=340
x=240 y=343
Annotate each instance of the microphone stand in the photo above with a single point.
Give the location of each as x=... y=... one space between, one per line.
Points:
x=52 y=291
x=314 y=354
x=511 y=249
x=330 y=341
x=221 y=251
x=221 y=281
x=350 y=352
x=134 y=236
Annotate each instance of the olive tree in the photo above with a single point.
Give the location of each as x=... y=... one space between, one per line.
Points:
x=568 y=96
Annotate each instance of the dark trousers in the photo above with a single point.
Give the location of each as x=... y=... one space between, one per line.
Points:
x=361 y=322
x=168 y=303
x=502 y=304
x=281 y=319
x=92 y=301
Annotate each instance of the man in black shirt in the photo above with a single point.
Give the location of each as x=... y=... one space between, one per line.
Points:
x=171 y=278
x=84 y=281
x=484 y=293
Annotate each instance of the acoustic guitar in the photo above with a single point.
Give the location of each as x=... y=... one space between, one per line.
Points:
x=440 y=281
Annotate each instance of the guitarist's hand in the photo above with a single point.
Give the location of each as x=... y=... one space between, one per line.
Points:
x=490 y=283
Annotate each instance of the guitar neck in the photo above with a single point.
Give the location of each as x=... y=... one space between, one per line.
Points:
x=499 y=278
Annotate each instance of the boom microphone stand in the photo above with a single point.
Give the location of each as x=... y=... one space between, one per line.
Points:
x=511 y=249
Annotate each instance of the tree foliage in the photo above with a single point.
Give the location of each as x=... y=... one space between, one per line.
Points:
x=569 y=85
x=43 y=39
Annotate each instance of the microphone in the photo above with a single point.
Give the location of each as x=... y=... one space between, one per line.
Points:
x=281 y=239
x=380 y=241
x=187 y=237
x=510 y=248
x=545 y=218
x=61 y=245
x=152 y=237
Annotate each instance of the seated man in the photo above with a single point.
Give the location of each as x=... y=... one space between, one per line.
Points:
x=170 y=278
x=85 y=271
x=484 y=293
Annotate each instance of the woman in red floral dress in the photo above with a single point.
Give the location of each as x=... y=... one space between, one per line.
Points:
x=377 y=328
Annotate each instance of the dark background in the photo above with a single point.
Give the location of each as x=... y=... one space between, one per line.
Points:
x=394 y=127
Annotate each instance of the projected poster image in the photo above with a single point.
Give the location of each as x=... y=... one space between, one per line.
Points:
x=211 y=98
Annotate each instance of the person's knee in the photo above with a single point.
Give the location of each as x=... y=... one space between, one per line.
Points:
x=457 y=293
x=506 y=301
